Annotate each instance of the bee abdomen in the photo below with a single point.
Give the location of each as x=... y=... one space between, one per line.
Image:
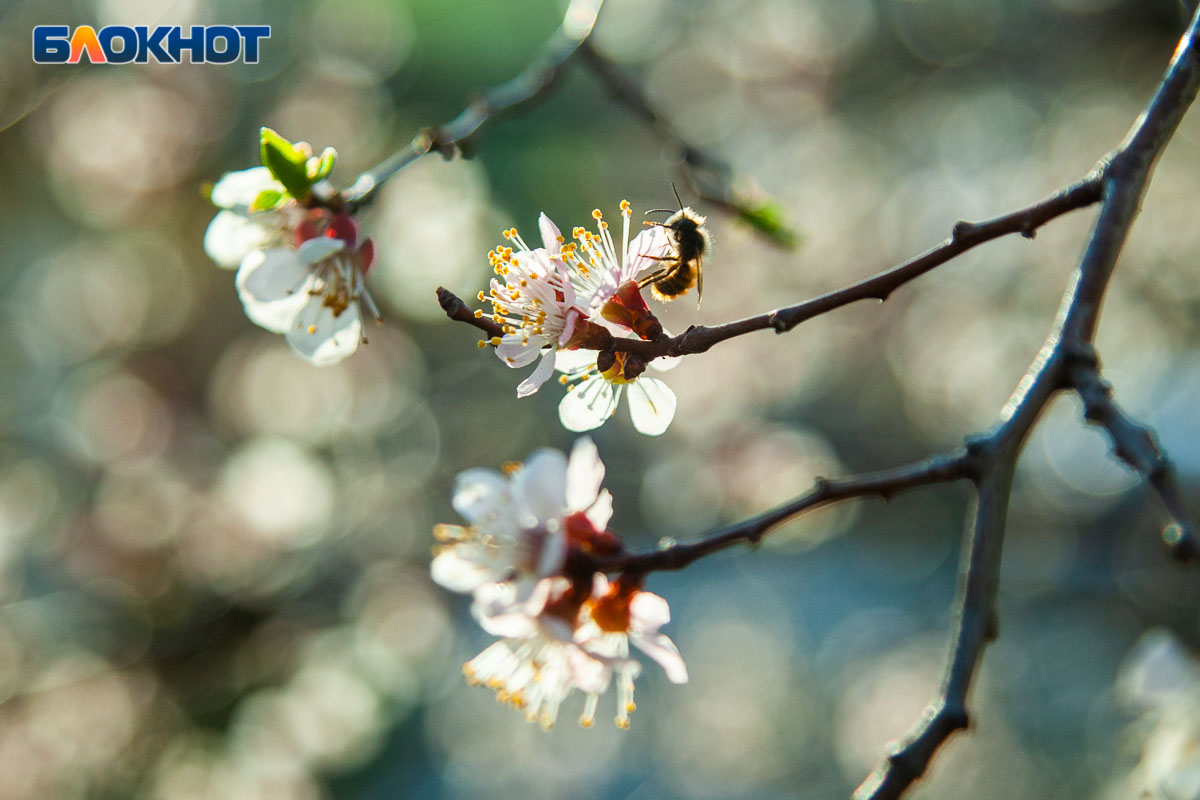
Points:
x=676 y=283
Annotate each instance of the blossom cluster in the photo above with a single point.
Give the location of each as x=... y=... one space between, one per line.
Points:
x=557 y=304
x=301 y=266
x=560 y=627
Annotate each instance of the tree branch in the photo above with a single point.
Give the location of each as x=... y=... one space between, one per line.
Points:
x=534 y=81
x=1137 y=446
x=884 y=484
x=456 y=309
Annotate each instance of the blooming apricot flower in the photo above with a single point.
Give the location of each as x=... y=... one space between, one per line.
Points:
x=593 y=394
x=520 y=523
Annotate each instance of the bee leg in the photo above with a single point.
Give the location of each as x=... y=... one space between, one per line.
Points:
x=652 y=278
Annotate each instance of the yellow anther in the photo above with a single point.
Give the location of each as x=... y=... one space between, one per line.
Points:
x=561 y=378
x=312 y=329
x=603 y=225
x=482 y=297
x=596 y=214
x=532 y=276
x=495 y=341
x=585 y=721
x=623 y=723
x=625 y=208
x=478 y=313
x=509 y=467
x=631 y=706
x=482 y=343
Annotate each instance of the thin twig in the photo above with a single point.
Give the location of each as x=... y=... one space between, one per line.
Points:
x=1136 y=445
x=884 y=484
x=456 y=309
x=533 y=81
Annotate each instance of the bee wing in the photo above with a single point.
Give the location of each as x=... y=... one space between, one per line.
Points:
x=699 y=281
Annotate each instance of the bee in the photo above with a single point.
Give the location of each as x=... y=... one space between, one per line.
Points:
x=690 y=242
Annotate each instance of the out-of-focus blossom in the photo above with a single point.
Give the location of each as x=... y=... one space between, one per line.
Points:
x=302 y=267
x=562 y=627
x=520 y=522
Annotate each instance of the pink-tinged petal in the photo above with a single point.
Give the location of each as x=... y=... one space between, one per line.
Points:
x=545 y=369
x=600 y=512
x=551 y=235
x=230 y=237
x=539 y=488
x=663 y=650
x=648 y=612
x=585 y=474
x=273 y=286
x=483 y=497
x=651 y=406
x=237 y=190
x=318 y=249
x=588 y=406
x=462 y=568
x=573 y=317
x=590 y=674
x=323 y=337
x=510 y=626
x=648 y=246
x=517 y=351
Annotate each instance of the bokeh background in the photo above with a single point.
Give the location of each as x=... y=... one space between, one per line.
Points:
x=213 y=557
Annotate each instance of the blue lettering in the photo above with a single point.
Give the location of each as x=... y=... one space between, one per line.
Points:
x=151 y=44
x=194 y=44
x=129 y=43
x=233 y=44
x=250 y=36
x=51 y=44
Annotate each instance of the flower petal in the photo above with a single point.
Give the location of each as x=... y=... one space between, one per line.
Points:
x=463 y=568
x=237 y=190
x=660 y=648
x=648 y=612
x=569 y=361
x=551 y=235
x=517 y=350
x=545 y=369
x=230 y=237
x=644 y=251
x=323 y=337
x=483 y=497
x=588 y=406
x=272 y=285
x=651 y=405
x=585 y=474
x=600 y=512
x=540 y=490
x=319 y=248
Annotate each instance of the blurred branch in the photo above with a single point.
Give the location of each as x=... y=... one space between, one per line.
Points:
x=709 y=177
x=883 y=484
x=456 y=309
x=534 y=81
x=1137 y=446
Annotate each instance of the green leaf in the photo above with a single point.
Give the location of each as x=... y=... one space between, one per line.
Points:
x=767 y=218
x=266 y=200
x=320 y=166
x=285 y=161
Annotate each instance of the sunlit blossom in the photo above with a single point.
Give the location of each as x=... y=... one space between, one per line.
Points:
x=593 y=393
x=520 y=522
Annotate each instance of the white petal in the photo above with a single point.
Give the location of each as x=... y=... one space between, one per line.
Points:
x=319 y=248
x=585 y=474
x=516 y=350
x=516 y=625
x=659 y=647
x=651 y=405
x=648 y=612
x=554 y=553
x=273 y=286
x=572 y=360
x=483 y=497
x=601 y=511
x=545 y=369
x=642 y=251
x=323 y=337
x=462 y=568
x=551 y=235
x=588 y=406
x=239 y=189
x=230 y=237
x=590 y=674
x=540 y=489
